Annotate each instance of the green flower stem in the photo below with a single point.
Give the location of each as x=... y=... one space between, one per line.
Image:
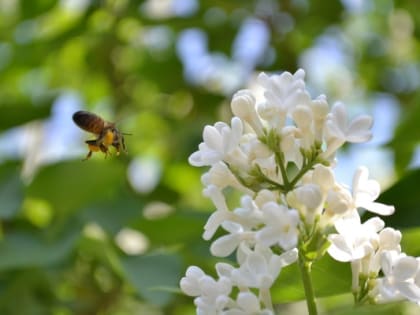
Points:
x=305 y=270
x=280 y=162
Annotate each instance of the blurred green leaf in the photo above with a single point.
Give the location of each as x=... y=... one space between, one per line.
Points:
x=20 y=249
x=410 y=241
x=406 y=136
x=154 y=276
x=405 y=200
x=179 y=228
x=11 y=190
x=385 y=309
x=14 y=115
x=114 y=214
x=68 y=186
x=329 y=277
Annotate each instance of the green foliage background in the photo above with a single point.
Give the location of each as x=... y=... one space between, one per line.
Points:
x=50 y=260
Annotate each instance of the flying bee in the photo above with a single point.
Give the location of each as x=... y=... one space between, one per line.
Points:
x=106 y=132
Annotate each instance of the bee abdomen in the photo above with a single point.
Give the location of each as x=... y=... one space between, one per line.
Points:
x=89 y=121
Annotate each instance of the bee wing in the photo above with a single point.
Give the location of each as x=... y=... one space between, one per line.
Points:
x=89 y=122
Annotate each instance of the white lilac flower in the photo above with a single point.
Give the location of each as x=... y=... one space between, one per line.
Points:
x=219 y=175
x=243 y=106
x=263 y=139
x=398 y=281
x=196 y=283
x=289 y=145
x=323 y=176
x=280 y=226
x=221 y=214
x=303 y=118
x=339 y=201
x=226 y=244
x=308 y=200
x=260 y=270
x=211 y=296
x=264 y=196
x=280 y=95
x=320 y=111
x=247 y=304
x=338 y=130
x=220 y=142
x=389 y=240
x=249 y=213
x=254 y=148
x=365 y=191
x=355 y=240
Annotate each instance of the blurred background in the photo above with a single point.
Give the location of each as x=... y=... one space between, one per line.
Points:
x=114 y=236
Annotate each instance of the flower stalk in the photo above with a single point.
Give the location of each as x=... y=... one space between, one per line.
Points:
x=305 y=267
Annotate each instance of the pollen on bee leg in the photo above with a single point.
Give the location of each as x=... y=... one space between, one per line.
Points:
x=109 y=138
x=93 y=148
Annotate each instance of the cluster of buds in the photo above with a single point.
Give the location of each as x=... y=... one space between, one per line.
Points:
x=280 y=154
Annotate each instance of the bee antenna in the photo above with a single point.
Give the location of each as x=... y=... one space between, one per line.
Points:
x=126 y=134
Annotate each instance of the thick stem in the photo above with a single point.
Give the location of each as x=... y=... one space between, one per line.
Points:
x=305 y=270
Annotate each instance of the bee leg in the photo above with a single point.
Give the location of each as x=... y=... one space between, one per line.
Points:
x=117 y=148
x=93 y=147
x=88 y=156
x=104 y=149
x=123 y=145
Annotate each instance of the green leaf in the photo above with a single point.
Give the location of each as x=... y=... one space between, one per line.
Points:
x=17 y=114
x=69 y=186
x=410 y=241
x=178 y=228
x=406 y=135
x=113 y=215
x=11 y=190
x=329 y=277
x=20 y=249
x=154 y=276
x=345 y=307
x=406 y=201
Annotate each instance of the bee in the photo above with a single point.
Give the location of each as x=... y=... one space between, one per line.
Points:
x=106 y=132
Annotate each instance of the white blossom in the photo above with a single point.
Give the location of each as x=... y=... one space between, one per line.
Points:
x=226 y=244
x=211 y=295
x=279 y=153
x=260 y=271
x=220 y=143
x=338 y=130
x=280 y=226
x=303 y=118
x=398 y=281
x=339 y=201
x=355 y=240
x=249 y=213
x=248 y=304
x=221 y=214
x=365 y=192
x=219 y=175
x=281 y=94
x=389 y=240
x=308 y=200
x=243 y=106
